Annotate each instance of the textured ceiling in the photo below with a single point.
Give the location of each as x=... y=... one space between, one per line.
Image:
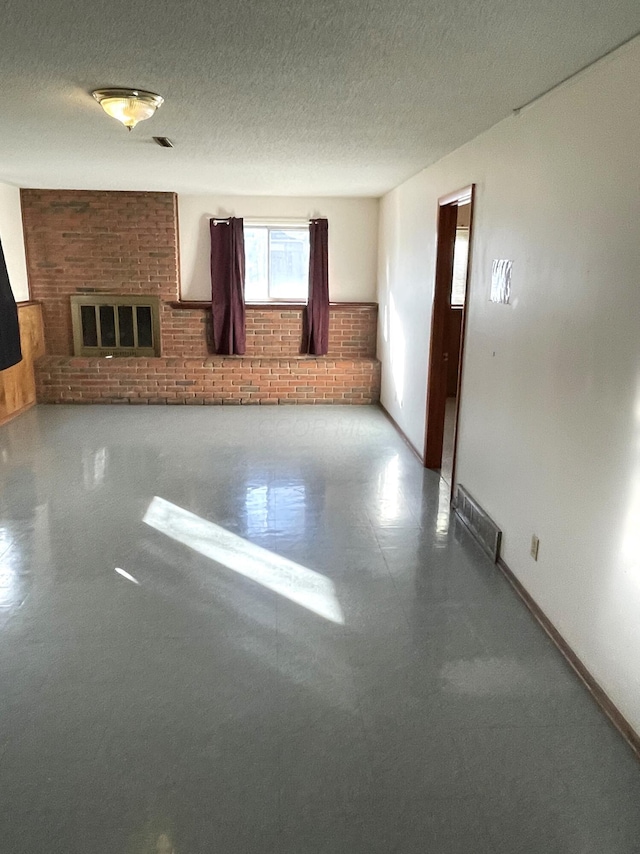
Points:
x=284 y=97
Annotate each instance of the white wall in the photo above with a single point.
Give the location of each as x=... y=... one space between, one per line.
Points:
x=550 y=420
x=353 y=238
x=13 y=240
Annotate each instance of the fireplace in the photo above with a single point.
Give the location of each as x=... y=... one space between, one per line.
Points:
x=115 y=325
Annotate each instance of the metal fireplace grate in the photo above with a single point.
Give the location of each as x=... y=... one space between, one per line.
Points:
x=113 y=325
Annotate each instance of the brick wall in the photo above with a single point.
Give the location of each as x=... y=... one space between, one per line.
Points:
x=127 y=243
x=87 y=241
x=274 y=332
x=188 y=333
x=219 y=380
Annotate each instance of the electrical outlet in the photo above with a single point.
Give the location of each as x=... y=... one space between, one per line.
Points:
x=535 y=545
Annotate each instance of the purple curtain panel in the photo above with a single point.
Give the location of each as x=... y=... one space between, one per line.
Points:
x=227 y=286
x=317 y=313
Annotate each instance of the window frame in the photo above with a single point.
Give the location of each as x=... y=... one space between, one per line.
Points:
x=276 y=225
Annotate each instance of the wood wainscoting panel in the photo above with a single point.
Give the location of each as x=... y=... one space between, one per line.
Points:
x=17 y=384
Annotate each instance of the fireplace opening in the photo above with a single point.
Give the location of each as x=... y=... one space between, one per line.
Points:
x=113 y=325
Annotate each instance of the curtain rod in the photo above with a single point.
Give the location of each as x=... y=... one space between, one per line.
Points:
x=268 y=220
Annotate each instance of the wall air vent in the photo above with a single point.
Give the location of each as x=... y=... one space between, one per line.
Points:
x=114 y=325
x=163 y=141
x=480 y=525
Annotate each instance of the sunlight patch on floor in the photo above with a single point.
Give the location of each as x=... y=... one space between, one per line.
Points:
x=301 y=585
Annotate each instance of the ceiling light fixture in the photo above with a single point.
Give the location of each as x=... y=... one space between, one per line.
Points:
x=128 y=106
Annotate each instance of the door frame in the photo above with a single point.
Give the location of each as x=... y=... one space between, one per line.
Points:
x=437 y=372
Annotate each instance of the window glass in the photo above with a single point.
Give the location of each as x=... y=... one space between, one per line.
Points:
x=145 y=326
x=108 y=325
x=277 y=263
x=256 y=254
x=89 y=326
x=125 y=325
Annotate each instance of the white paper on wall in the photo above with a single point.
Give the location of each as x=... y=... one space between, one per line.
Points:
x=501 y=281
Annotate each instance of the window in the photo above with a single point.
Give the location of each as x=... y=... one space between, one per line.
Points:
x=277 y=262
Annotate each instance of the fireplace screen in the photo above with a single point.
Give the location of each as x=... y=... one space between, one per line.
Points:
x=109 y=325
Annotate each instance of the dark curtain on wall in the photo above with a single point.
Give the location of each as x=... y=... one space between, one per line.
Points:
x=227 y=286
x=10 y=353
x=317 y=313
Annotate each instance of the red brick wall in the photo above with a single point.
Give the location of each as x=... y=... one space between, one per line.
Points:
x=228 y=380
x=81 y=241
x=353 y=331
x=274 y=332
x=188 y=333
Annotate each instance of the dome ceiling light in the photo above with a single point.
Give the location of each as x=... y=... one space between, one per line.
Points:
x=128 y=106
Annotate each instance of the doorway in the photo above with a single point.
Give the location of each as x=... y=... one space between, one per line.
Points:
x=455 y=218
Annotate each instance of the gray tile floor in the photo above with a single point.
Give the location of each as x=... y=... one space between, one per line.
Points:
x=446 y=469
x=256 y=630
